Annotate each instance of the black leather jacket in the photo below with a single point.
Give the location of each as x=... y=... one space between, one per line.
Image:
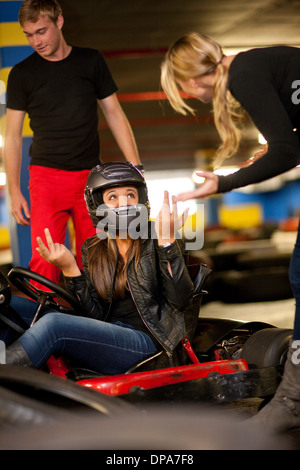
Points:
x=160 y=299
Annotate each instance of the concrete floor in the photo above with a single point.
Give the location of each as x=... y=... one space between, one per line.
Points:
x=279 y=313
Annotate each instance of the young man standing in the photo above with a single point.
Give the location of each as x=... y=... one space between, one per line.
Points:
x=59 y=86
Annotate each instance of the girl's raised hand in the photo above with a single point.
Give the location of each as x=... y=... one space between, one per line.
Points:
x=167 y=222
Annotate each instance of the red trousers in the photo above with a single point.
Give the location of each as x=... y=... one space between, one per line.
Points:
x=55 y=196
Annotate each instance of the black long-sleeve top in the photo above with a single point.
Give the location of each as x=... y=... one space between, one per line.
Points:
x=266 y=82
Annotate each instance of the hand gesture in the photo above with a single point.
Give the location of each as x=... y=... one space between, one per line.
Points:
x=167 y=222
x=209 y=187
x=57 y=254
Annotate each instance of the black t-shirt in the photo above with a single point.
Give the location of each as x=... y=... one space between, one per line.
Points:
x=60 y=98
x=264 y=81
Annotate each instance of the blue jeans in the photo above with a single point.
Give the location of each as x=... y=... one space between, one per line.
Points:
x=295 y=283
x=25 y=309
x=110 y=348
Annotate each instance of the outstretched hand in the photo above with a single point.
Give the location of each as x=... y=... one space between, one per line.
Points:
x=167 y=222
x=57 y=254
x=209 y=187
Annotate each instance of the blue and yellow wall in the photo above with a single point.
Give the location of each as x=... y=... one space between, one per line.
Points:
x=14 y=48
x=261 y=207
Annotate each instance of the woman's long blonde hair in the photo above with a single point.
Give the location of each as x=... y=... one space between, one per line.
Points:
x=194 y=55
x=107 y=269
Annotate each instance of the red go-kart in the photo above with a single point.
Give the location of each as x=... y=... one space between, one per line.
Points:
x=220 y=360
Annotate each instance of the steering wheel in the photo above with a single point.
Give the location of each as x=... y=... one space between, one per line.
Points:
x=21 y=278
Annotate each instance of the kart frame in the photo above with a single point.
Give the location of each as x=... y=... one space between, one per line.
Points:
x=216 y=381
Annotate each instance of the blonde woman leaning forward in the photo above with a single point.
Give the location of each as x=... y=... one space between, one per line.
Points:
x=264 y=82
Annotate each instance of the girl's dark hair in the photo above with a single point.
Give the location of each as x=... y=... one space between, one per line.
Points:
x=103 y=261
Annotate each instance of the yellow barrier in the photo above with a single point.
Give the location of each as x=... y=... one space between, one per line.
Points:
x=240 y=216
x=4 y=238
x=11 y=34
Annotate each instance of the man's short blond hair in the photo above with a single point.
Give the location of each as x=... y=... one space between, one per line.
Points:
x=31 y=10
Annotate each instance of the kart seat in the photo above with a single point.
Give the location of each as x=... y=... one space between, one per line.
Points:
x=159 y=360
x=79 y=373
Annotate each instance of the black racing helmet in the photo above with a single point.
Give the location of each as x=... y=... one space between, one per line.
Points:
x=114 y=174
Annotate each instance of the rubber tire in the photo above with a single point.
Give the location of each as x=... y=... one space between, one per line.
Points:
x=267 y=347
x=256 y=285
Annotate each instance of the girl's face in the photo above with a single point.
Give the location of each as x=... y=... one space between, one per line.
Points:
x=120 y=196
x=201 y=88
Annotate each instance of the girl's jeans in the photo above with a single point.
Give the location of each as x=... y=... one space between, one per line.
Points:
x=295 y=283
x=110 y=348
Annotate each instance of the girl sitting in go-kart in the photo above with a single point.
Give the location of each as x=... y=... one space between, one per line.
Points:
x=133 y=288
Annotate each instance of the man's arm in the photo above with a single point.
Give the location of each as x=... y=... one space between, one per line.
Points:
x=120 y=128
x=12 y=162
